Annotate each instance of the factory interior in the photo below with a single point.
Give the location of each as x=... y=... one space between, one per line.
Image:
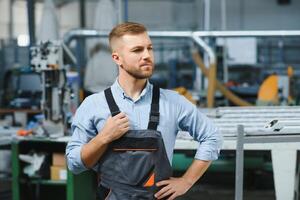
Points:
x=236 y=61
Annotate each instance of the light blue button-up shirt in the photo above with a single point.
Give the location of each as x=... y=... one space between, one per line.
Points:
x=176 y=113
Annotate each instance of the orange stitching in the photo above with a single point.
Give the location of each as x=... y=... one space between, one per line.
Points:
x=134 y=149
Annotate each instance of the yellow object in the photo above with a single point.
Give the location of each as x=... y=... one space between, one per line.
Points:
x=211 y=90
x=183 y=91
x=58 y=173
x=81 y=95
x=290 y=71
x=268 y=91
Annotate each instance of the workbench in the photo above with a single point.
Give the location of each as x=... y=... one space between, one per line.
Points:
x=284 y=144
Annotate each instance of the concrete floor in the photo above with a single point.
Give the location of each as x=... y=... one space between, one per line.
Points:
x=209 y=192
x=5 y=189
x=212 y=186
x=220 y=186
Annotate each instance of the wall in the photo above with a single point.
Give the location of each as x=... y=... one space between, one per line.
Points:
x=257 y=15
x=169 y=15
x=4 y=15
x=68 y=17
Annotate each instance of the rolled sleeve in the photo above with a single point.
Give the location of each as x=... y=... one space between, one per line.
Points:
x=202 y=129
x=83 y=130
x=74 y=161
x=73 y=152
x=210 y=148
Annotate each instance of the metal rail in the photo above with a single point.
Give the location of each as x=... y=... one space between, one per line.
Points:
x=197 y=37
x=69 y=36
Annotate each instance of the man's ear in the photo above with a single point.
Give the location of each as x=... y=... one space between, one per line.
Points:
x=115 y=56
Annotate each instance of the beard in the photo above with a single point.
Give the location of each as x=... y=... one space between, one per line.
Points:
x=138 y=74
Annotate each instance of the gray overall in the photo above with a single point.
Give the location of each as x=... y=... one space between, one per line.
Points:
x=133 y=164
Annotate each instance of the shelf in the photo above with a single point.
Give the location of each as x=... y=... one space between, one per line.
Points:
x=13 y=110
x=76 y=187
x=45 y=182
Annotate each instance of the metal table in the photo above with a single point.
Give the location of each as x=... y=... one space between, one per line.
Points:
x=243 y=129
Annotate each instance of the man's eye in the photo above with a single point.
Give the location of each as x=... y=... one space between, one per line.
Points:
x=150 y=48
x=137 y=50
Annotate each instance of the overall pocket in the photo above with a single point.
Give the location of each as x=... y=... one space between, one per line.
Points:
x=136 y=166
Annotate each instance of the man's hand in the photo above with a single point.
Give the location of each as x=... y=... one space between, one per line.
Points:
x=115 y=127
x=173 y=188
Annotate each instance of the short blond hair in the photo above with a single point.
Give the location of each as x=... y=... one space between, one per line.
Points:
x=131 y=28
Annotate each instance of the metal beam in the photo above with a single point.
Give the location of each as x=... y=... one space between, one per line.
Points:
x=11 y=20
x=82 y=13
x=31 y=21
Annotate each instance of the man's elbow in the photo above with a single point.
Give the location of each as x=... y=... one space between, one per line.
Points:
x=74 y=167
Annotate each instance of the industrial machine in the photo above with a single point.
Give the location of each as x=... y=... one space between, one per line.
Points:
x=47 y=60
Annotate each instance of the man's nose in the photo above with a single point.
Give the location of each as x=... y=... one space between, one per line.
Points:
x=146 y=54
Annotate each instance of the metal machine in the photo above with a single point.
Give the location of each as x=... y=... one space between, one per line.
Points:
x=47 y=60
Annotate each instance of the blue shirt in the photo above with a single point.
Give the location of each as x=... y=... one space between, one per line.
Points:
x=176 y=113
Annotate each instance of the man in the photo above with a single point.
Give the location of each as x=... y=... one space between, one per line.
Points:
x=133 y=125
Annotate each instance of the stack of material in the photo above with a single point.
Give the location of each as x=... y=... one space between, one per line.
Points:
x=58 y=168
x=263 y=120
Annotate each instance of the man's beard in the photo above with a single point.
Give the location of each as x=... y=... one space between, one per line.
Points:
x=138 y=74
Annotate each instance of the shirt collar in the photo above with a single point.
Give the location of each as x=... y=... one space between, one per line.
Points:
x=120 y=90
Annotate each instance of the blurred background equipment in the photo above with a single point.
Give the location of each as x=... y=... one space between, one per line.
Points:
x=277 y=90
x=47 y=61
x=49 y=26
x=100 y=71
x=221 y=55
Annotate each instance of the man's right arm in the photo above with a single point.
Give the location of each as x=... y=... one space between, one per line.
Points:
x=113 y=129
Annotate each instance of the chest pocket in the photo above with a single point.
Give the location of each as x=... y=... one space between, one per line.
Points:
x=135 y=159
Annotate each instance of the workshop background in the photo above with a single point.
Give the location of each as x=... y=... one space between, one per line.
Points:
x=237 y=60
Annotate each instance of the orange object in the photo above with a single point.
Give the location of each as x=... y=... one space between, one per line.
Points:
x=23 y=132
x=150 y=181
x=268 y=91
x=183 y=91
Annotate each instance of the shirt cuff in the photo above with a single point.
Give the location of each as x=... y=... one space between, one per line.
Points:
x=207 y=154
x=75 y=163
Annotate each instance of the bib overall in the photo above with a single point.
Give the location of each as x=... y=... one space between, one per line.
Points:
x=134 y=163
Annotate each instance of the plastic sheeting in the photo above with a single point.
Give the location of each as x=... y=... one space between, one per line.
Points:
x=49 y=23
x=101 y=71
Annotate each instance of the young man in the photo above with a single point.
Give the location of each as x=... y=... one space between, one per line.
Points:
x=128 y=132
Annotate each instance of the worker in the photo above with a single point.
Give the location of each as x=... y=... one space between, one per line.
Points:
x=127 y=132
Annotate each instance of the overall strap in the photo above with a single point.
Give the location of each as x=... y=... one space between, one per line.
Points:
x=113 y=107
x=154 y=112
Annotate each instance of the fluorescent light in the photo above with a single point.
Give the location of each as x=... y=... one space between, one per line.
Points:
x=23 y=40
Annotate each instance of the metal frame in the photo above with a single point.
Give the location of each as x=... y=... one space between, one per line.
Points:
x=246 y=128
x=69 y=36
x=194 y=36
x=242 y=139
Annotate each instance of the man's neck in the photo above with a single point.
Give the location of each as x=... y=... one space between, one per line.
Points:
x=132 y=87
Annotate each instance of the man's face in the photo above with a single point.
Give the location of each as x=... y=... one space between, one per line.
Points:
x=134 y=55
